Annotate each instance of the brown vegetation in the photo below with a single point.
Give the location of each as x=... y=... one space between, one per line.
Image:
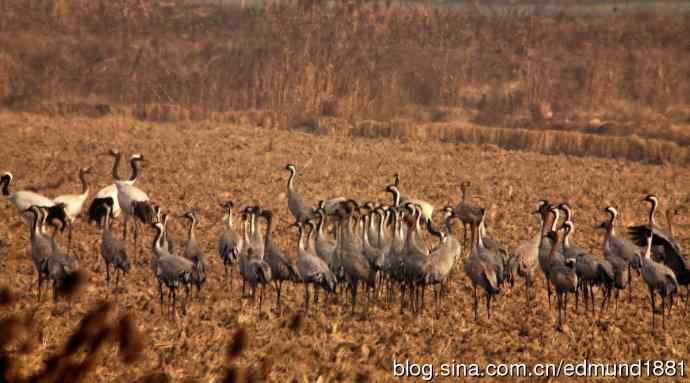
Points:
x=196 y=164
x=614 y=75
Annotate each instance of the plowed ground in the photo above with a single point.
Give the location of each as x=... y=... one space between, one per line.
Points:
x=196 y=165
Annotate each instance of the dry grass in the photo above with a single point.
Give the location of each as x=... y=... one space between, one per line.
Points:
x=351 y=59
x=197 y=163
x=548 y=142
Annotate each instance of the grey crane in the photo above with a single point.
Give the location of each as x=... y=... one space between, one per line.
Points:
x=349 y=251
x=441 y=262
x=253 y=269
x=300 y=208
x=481 y=273
x=563 y=277
x=41 y=245
x=414 y=260
x=281 y=268
x=170 y=270
x=230 y=242
x=524 y=260
x=58 y=265
x=255 y=240
x=546 y=260
x=312 y=269
x=669 y=250
x=113 y=251
x=495 y=246
x=659 y=279
x=193 y=252
x=73 y=203
x=325 y=246
x=167 y=239
x=470 y=214
x=570 y=249
x=375 y=245
x=586 y=267
x=620 y=251
x=375 y=255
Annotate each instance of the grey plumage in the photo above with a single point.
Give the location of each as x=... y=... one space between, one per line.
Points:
x=349 y=251
x=312 y=269
x=253 y=268
x=325 y=247
x=470 y=214
x=51 y=262
x=59 y=266
x=193 y=252
x=547 y=260
x=41 y=246
x=669 y=251
x=300 y=208
x=281 y=268
x=482 y=273
x=586 y=266
x=563 y=277
x=659 y=279
x=623 y=254
x=170 y=270
x=113 y=251
x=230 y=242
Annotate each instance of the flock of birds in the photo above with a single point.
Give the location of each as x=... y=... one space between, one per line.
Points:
x=344 y=245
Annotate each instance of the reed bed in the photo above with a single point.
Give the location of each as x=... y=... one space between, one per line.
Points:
x=631 y=148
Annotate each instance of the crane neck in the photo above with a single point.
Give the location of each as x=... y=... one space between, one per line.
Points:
x=192 y=228
x=396 y=196
x=382 y=219
x=480 y=241
x=291 y=182
x=6 y=181
x=556 y=215
x=229 y=219
x=320 y=224
x=116 y=165
x=566 y=239
x=84 y=183
x=648 y=249
x=134 y=164
x=158 y=241
x=245 y=232
x=482 y=229
x=269 y=229
x=35 y=227
x=106 y=220
x=652 y=211
x=611 y=230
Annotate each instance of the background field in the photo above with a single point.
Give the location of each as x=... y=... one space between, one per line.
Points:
x=196 y=164
x=349 y=62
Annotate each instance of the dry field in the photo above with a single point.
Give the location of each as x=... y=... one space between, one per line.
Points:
x=195 y=165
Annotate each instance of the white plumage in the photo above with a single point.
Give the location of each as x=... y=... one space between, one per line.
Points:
x=110 y=191
x=23 y=199
x=75 y=202
x=127 y=194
